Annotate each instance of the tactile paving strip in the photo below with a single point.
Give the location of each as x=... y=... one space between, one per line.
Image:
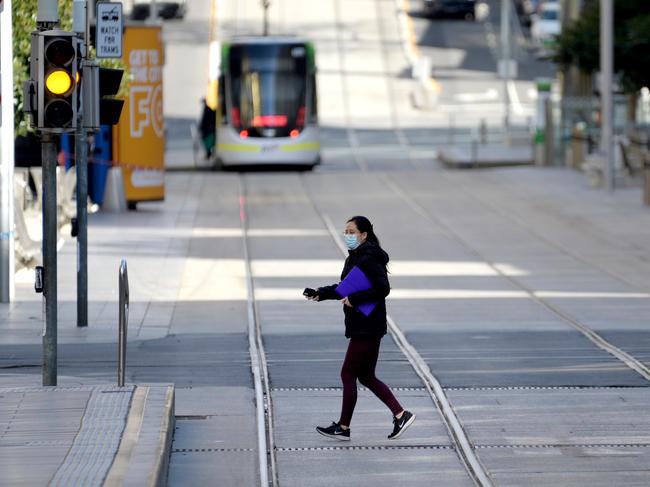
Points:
x=96 y=444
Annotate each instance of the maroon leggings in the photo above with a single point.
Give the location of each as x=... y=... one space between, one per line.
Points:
x=360 y=361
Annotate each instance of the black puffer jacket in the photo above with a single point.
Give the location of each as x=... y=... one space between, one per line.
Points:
x=372 y=260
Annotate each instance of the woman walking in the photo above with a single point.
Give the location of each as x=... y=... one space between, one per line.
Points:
x=364 y=331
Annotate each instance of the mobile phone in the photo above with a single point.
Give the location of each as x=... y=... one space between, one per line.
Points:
x=309 y=292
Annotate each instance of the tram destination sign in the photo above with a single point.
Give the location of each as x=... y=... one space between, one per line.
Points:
x=110 y=30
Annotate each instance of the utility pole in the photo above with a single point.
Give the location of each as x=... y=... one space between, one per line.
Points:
x=6 y=157
x=505 y=63
x=606 y=82
x=80 y=26
x=265 y=5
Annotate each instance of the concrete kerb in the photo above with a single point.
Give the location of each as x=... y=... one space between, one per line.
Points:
x=142 y=458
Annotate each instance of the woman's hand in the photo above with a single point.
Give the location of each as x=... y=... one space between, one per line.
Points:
x=313 y=298
x=346 y=302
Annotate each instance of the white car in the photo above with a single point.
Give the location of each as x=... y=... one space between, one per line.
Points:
x=545 y=25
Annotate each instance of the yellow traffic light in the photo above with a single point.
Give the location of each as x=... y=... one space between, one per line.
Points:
x=58 y=82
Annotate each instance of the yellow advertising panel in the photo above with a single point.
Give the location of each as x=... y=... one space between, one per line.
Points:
x=139 y=144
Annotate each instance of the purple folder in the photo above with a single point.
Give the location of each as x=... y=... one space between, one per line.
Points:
x=355 y=281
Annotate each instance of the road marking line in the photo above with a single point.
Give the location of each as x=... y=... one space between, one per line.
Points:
x=514 y=98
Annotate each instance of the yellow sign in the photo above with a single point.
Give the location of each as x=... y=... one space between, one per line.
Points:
x=139 y=138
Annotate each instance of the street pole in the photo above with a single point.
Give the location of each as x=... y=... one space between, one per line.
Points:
x=50 y=231
x=505 y=63
x=80 y=26
x=48 y=17
x=606 y=82
x=265 y=5
x=7 y=264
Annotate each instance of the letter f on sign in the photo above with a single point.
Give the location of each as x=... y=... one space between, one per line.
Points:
x=140 y=101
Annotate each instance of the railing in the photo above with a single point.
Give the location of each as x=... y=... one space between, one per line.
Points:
x=124 y=322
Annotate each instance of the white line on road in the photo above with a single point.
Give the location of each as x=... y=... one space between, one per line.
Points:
x=514 y=98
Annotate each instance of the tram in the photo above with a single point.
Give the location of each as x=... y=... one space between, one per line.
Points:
x=267 y=103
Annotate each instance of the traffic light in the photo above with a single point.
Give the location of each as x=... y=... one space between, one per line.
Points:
x=56 y=80
x=109 y=84
x=97 y=83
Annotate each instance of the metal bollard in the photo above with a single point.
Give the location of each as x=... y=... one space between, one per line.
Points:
x=124 y=322
x=646 y=178
x=450 y=138
x=483 y=131
x=474 y=149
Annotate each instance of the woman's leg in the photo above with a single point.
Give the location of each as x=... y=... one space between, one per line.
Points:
x=354 y=358
x=367 y=378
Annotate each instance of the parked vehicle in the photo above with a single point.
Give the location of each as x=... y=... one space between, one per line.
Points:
x=450 y=8
x=141 y=9
x=545 y=25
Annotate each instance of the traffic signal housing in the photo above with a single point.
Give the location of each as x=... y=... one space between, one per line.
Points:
x=56 y=79
x=110 y=108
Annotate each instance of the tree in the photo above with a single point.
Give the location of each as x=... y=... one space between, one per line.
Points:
x=579 y=43
x=23 y=24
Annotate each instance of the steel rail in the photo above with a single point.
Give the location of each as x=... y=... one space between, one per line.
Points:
x=629 y=360
x=475 y=469
x=265 y=437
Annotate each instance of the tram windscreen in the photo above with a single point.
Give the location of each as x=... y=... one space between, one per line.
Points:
x=268 y=86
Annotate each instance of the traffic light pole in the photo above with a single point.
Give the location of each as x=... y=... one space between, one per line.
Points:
x=606 y=82
x=48 y=17
x=50 y=231
x=80 y=25
x=81 y=151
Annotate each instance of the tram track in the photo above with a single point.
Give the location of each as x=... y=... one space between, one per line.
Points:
x=460 y=440
x=629 y=360
x=263 y=392
x=465 y=449
x=263 y=397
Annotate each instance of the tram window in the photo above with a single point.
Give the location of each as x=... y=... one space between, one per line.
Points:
x=313 y=112
x=221 y=99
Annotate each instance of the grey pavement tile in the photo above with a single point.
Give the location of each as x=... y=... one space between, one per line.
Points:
x=221 y=431
x=493 y=358
x=193 y=401
x=374 y=468
x=297 y=413
x=198 y=469
x=598 y=416
x=568 y=466
x=315 y=361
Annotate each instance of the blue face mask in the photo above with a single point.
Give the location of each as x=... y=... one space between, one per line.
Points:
x=351 y=240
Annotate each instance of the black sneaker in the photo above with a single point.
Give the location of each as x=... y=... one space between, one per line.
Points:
x=400 y=425
x=335 y=431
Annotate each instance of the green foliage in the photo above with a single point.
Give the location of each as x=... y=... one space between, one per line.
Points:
x=23 y=24
x=579 y=43
x=24 y=13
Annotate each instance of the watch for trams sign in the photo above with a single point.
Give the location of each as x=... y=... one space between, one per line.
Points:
x=109 y=30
